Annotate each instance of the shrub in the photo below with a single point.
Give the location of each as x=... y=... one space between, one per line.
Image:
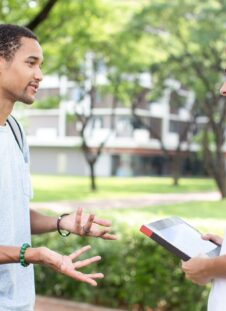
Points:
x=139 y=275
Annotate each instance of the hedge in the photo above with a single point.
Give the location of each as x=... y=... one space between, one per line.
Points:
x=139 y=275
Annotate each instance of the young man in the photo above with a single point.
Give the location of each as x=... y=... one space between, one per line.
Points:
x=201 y=270
x=20 y=74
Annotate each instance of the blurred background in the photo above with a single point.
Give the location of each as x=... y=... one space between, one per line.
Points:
x=129 y=107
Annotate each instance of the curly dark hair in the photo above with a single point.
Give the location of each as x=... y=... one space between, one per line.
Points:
x=10 y=39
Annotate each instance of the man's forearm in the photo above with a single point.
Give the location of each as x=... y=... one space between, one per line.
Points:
x=41 y=223
x=11 y=254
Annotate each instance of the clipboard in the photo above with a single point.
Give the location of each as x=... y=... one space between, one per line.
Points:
x=180 y=238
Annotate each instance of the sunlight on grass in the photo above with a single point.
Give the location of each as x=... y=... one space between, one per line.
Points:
x=206 y=216
x=57 y=188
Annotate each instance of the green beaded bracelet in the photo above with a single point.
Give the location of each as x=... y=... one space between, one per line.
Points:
x=22 y=252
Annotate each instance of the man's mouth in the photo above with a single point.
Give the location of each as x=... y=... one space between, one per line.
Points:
x=34 y=86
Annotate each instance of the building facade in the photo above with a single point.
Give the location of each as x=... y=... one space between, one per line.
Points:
x=130 y=148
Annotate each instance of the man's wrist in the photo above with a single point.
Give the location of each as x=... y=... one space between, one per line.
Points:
x=60 y=225
x=210 y=267
x=33 y=255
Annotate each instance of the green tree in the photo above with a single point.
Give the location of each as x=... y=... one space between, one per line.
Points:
x=83 y=28
x=188 y=43
x=27 y=13
x=69 y=31
x=130 y=53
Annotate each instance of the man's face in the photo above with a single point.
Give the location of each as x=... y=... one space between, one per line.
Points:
x=223 y=88
x=20 y=77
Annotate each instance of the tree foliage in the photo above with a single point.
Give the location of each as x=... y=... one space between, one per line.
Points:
x=188 y=45
x=182 y=40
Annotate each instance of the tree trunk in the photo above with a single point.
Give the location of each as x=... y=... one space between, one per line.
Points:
x=176 y=169
x=215 y=162
x=93 y=186
x=221 y=186
x=220 y=176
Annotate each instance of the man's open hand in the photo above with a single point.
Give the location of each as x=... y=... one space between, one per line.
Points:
x=68 y=265
x=84 y=225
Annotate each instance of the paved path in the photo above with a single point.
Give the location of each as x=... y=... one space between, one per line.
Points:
x=53 y=304
x=140 y=201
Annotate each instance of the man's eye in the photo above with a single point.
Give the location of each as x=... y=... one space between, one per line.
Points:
x=31 y=63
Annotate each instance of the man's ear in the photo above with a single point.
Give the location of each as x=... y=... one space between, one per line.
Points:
x=1 y=63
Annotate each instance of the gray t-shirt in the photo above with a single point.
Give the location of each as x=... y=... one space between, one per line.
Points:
x=17 y=291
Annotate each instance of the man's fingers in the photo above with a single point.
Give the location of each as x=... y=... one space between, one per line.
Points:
x=86 y=262
x=82 y=277
x=100 y=233
x=77 y=253
x=102 y=222
x=95 y=275
x=109 y=236
x=105 y=235
x=88 y=225
x=78 y=218
x=89 y=229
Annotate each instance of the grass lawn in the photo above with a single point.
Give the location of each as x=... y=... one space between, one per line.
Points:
x=206 y=216
x=57 y=188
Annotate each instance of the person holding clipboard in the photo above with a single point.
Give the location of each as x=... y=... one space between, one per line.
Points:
x=201 y=270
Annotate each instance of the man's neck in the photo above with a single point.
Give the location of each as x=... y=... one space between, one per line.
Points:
x=6 y=108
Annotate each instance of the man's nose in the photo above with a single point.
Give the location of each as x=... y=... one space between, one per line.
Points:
x=38 y=74
x=223 y=89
